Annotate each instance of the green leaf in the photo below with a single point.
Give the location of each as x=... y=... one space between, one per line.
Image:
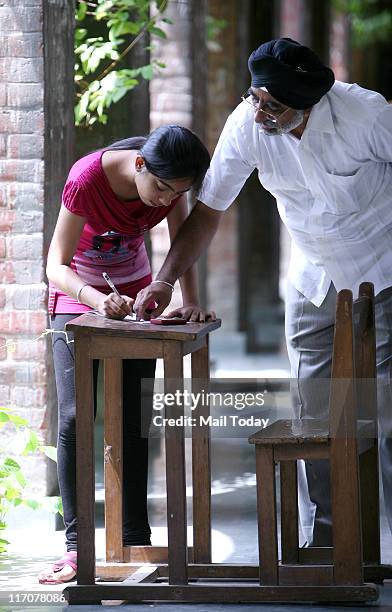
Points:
x=147 y=72
x=20 y=478
x=4 y=417
x=81 y=11
x=80 y=34
x=49 y=451
x=18 y=420
x=157 y=32
x=9 y=465
x=31 y=503
x=32 y=442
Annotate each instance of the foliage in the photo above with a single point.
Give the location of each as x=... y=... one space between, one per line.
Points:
x=100 y=78
x=371 y=20
x=12 y=480
x=214 y=28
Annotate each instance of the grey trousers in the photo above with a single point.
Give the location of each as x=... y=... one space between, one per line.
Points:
x=309 y=337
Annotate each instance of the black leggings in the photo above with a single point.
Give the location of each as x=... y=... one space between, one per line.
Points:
x=136 y=529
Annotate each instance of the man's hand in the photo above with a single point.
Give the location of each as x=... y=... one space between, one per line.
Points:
x=159 y=293
x=115 y=307
x=192 y=312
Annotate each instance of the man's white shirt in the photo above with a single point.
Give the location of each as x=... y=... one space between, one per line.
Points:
x=333 y=187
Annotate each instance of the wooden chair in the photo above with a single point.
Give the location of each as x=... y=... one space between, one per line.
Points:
x=351 y=446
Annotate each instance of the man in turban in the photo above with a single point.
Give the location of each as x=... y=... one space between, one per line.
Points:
x=323 y=148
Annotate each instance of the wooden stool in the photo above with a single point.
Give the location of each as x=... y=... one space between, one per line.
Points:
x=98 y=337
x=351 y=445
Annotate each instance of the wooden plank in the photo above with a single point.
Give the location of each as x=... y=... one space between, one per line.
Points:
x=292 y=431
x=125 y=348
x=347 y=536
x=113 y=453
x=112 y=327
x=266 y=512
x=315 y=555
x=201 y=460
x=175 y=468
x=292 y=452
x=85 y=466
x=193 y=345
x=218 y=593
x=149 y=554
x=370 y=505
x=289 y=511
x=320 y=575
x=142 y=574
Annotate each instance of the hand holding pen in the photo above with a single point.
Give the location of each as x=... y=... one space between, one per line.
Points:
x=114 y=305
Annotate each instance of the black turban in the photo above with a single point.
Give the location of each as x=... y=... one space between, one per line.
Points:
x=291 y=73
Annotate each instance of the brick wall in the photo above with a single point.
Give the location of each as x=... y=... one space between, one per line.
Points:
x=23 y=377
x=171 y=102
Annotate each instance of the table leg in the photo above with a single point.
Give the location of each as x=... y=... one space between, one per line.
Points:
x=175 y=468
x=85 y=465
x=201 y=463
x=113 y=453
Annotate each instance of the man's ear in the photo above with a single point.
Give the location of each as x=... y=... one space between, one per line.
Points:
x=139 y=163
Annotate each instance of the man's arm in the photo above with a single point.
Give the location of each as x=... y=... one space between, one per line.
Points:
x=192 y=239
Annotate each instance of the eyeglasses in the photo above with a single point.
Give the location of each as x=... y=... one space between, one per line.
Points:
x=256 y=104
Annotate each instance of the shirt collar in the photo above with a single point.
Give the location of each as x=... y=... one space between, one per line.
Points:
x=320 y=118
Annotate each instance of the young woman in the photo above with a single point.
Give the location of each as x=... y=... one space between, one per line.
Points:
x=111 y=198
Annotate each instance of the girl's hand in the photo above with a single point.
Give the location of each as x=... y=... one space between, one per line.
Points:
x=192 y=312
x=114 y=307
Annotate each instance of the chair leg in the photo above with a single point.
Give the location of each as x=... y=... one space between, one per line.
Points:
x=370 y=505
x=346 y=517
x=266 y=508
x=289 y=511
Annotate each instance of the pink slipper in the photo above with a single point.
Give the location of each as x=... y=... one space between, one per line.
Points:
x=69 y=558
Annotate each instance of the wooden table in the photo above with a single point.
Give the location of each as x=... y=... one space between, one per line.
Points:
x=97 y=337
x=176 y=580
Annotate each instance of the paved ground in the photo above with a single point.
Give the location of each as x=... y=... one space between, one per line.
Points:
x=35 y=543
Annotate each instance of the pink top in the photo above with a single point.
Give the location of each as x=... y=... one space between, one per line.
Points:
x=112 y=239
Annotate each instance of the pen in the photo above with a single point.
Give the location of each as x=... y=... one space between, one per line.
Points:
x=111 y=284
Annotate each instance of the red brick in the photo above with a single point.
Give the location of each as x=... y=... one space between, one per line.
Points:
x=24 y=196
x=23 y=373
x=3 y=94
x=25 y=396
x=3 y=145
x=21 y=122
x=20 y=19
x=4 y=394
x=25 y=146
x=2 y=247
x=3 y=196
x=24 y=246
x=7 y=220
x=27 y=349
x=25 y=95
x=24 y=45
x=3 y=350
x=28 y=297
x=23 y=322
x=7 y=274
x=21 y=69
x=3 y=297
x=27 y=272
x=20 y=170
x=28 y=222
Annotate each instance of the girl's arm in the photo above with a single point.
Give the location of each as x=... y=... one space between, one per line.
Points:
x=61 y=251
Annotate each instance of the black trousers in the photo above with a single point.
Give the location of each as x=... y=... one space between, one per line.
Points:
x=136 y=529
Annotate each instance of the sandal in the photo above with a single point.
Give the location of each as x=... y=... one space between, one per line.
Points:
x=68 y=561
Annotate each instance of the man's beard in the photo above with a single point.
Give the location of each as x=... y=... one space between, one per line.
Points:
x=271 y=128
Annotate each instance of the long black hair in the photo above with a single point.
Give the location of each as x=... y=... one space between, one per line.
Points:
x=170 y=152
